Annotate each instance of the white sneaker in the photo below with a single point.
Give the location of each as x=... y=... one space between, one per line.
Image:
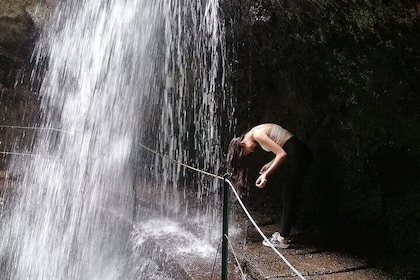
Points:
x=276 y=243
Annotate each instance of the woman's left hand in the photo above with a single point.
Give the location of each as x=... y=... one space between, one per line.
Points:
x=261 y=181
x=265 y=167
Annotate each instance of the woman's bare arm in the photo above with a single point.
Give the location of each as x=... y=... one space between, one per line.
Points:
x=262 y=138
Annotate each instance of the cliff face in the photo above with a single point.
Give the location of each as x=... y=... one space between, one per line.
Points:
x=344 y=77
x=19 y=24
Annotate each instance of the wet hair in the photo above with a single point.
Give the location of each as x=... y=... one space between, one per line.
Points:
x=235 y=164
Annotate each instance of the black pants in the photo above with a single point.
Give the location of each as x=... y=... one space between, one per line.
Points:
x=300 y=158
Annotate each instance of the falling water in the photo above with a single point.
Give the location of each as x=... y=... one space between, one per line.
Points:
x=192 y=70
x=113 y=75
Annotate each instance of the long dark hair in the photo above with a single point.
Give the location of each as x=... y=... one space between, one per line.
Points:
x=235 y=164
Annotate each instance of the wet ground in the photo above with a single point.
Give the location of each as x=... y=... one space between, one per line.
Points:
x=260 y=262
x=311 y=259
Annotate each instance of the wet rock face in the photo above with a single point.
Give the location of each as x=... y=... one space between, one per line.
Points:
x=19 y=25
x=16 y=30
x=19 y=21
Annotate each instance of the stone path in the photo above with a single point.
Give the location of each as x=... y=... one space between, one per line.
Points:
x=259 y=262
x=263 y=263
x=312 y=262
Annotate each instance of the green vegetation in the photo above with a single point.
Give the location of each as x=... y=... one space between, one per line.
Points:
x=345 y=77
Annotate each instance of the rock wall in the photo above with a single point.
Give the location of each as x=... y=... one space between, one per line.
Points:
x=344 y=77
x=19 y=25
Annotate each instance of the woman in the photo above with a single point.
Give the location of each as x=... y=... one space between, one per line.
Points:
x=273 y=138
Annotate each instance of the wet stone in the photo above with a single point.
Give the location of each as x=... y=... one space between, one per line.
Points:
x=261 y=262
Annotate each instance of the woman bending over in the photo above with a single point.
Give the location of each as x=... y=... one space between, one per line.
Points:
x=273 y=138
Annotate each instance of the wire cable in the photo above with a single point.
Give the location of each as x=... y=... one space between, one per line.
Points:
x=16 y=154
x=183 y=164
x=236 y=258
x=242 y=205
x=191 y=168
x=215 y=258
x=33 y=128
x=263 y=235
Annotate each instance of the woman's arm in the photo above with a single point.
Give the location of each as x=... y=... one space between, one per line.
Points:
x=263 y=139
x=266 y=166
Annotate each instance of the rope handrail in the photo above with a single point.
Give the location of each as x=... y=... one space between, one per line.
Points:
x=236 y=258
x=4 y=153
x=262 y=234
x=17 y=154
x=34 y=128
x=183 y=164
x=240 y=202
x=194 y=169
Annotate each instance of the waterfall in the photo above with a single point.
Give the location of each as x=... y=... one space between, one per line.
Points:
x=192 y=69
x=112 y=75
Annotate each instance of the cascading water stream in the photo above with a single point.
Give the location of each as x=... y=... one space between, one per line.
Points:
x=114 y=74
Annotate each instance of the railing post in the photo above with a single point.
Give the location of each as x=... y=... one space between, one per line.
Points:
x=225 y=228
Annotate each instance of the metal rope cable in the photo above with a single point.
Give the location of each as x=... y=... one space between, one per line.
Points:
x=17 y=154
x=242 y=205
x=183 y=164
x=236 y=258
x=262 y=234
x=34 y=128
x=28 y=127
x=200 y=171
x=215 y=259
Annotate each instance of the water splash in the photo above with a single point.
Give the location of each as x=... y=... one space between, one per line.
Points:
x=182 y=241
x=114 y=74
